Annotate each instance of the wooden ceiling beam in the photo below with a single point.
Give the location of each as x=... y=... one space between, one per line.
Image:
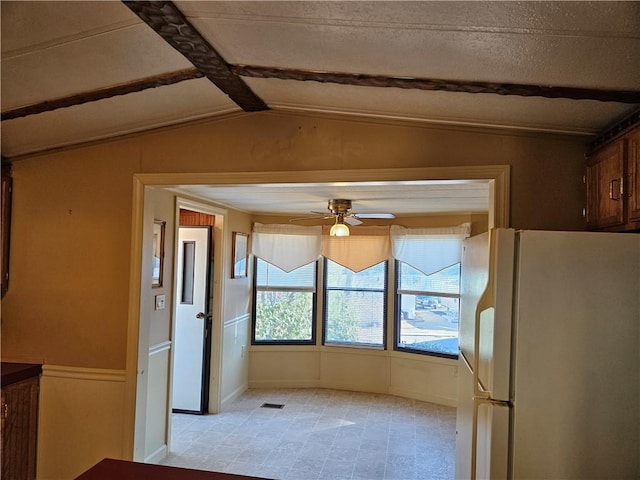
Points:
x=169 y=22
x=362 y=80
x=102 y=93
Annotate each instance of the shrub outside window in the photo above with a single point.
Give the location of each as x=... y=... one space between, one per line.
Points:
x=284 y=306
x=355 y=305
x=428 y=308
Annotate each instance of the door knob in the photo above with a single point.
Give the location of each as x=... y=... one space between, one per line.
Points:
x=203 y=315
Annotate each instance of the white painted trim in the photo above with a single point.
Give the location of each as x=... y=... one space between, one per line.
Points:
x=158 y=455
x=451 y=362
x=133 y=326
x=285 y=348
x=239 y=319
x=235 y=394
x=81 y=373
x=160 y=347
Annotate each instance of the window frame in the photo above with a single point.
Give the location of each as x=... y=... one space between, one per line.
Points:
x=325 y=309
x=397 y=316
x=314 y=307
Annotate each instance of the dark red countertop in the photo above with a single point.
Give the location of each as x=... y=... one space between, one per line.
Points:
x=109 y=469
x=16 y=372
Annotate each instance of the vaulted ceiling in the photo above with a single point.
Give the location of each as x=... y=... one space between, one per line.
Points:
x=76 y=71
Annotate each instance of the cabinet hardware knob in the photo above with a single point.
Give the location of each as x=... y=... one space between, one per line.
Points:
x=614 y=193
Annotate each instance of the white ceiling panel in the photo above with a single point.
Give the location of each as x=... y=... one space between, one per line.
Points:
x=548 y=114
x=117 y=57
x=120 y=115
x=611 y=18
x=28 y=26
x=401 y=199
x=433 y=40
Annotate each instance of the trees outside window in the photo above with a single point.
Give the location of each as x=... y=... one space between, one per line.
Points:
x=284 y=304
x=355 y=305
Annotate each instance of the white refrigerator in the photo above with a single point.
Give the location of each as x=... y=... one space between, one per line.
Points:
x=549 y=364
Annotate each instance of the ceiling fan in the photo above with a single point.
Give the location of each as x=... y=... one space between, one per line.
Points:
x=340 y=209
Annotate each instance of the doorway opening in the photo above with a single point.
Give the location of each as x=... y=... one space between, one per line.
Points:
x=136 y=385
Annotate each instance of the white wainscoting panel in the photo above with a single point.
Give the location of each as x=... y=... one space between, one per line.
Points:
x=80 y=419
x=284 y=367
x=426 y=378
x=236 y=339
x=156 y=434
x=359 y=369
x=419 y=377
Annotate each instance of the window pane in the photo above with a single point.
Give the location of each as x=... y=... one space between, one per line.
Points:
x=268 y=275
x=355 y=317
x=188 y=272
x=282 y=316
x=371 y=278
x=355 y=305
x=444 y=281
x=284 y=304
x=429 y=323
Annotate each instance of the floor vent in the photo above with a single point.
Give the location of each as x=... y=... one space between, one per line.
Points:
x=272 y=405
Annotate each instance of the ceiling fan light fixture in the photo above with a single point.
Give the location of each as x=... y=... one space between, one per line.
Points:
x=339 y=229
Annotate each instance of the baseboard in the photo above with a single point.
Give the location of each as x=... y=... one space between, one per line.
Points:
x=354 y=387
x=285 y=384
x=158 y=455
x=424 y=397
x=235 y=394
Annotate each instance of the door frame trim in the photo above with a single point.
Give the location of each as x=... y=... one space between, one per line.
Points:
x=217 y=291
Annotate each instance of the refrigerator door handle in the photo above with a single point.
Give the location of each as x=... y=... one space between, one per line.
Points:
x=480 y=393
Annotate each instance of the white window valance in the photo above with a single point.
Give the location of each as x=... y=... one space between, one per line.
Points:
x=363 y=248
x=286 y=246
x=429 y=250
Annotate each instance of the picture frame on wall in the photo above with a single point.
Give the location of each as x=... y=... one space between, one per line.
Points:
x=158 y=253
x=239 y=255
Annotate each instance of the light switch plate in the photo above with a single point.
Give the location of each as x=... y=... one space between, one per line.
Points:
x=159 y=302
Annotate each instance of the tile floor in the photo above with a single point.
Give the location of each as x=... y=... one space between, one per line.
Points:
x=319 y=434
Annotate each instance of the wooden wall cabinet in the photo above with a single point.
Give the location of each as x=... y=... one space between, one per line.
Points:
x=19 y=417
x=613 y=186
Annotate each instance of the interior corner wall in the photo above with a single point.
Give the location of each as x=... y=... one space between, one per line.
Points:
x=236 y=322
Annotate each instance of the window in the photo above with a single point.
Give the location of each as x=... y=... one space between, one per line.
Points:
x=355 y=305
x=284 y=307
x=428 y=307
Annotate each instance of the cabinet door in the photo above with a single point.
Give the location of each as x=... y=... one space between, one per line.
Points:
x=632 y=189
x=19 y=430
x=605 y=205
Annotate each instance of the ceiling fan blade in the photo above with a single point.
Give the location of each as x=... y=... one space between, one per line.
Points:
x=351 y=220
x=312 y=217
x=375 y=215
